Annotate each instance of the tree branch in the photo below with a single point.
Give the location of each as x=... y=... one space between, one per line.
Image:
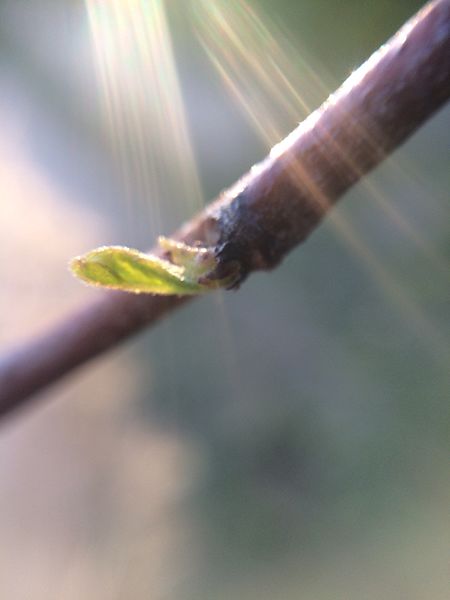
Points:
x=278 y=203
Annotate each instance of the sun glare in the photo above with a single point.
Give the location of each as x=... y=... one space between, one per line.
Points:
x=271 y=80
x=254 y=67
x=269 y=77
x=143 y=109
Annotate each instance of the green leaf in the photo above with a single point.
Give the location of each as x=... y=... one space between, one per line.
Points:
x=191 y=272
x=122 y=268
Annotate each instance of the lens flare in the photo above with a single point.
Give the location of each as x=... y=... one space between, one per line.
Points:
x=146 y=120
x=256 y=70
x=144 y=111
x=264 y=74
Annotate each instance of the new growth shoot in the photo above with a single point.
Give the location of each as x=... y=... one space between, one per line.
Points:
x=184 y=270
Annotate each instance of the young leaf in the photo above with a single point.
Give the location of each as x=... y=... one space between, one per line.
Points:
x=122 y=268
x=191 y=271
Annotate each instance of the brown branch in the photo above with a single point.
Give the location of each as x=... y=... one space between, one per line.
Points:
x=277 y=204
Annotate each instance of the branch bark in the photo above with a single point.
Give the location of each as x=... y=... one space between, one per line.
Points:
x=278 y=203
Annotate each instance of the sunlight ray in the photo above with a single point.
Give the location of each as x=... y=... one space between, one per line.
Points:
x=143 y=109
x=263 y=73
x=264 y=76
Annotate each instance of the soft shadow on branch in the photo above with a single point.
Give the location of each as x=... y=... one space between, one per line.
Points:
x=277 y=204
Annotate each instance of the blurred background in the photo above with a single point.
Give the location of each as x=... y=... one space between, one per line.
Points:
x=286 y=441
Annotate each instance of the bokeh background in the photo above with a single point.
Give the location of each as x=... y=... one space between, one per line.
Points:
x=286 y=441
